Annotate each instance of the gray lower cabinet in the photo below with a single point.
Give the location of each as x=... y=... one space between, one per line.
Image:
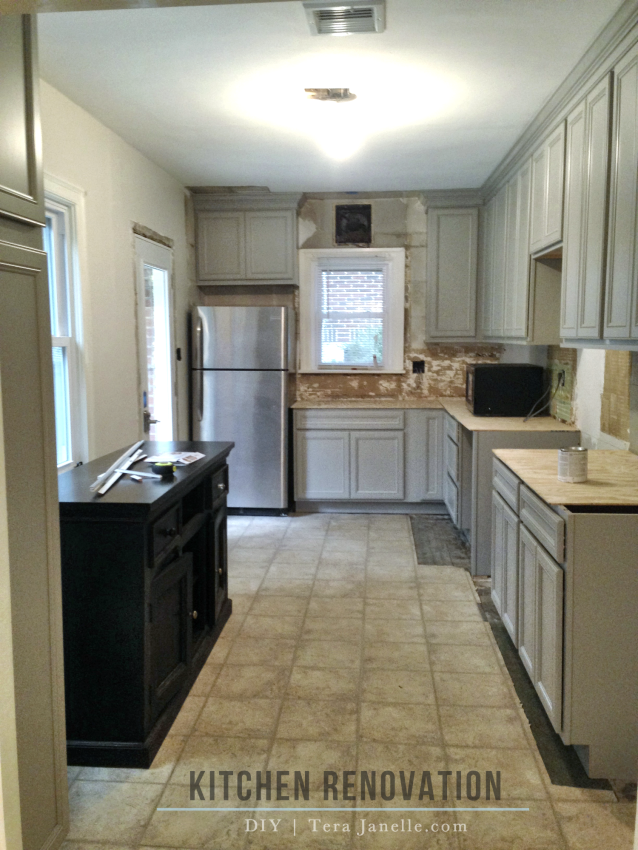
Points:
x=505 y=533
x=368 y=455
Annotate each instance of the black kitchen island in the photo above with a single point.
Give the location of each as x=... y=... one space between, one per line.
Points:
x=145 y=597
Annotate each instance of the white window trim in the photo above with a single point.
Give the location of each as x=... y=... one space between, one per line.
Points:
x=309 y=259
x=60 y=194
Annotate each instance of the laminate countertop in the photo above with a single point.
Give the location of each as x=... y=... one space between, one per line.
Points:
x=371 y=404
x=458 y=409
x=612 y=476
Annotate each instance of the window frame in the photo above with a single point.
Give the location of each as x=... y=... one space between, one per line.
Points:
x=310 y=263
x=67 y=202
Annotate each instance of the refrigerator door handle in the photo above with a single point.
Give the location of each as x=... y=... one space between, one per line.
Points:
x=200 y=394
x=199 y=352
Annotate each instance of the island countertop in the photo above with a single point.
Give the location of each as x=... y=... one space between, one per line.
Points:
x=370 y=404
x=612 y=476
x=457 y=408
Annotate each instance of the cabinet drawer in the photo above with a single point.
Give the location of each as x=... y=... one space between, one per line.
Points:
x=452 y=428
x=452 y=459
x=451 y=498
x=341 y=420
x=219 y=484
x=546 y=526
x=165 y=530
x=506 y=483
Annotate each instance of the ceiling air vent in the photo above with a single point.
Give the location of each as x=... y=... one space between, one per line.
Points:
x=358 y=16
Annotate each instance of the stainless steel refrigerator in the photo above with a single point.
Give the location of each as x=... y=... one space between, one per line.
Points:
x=240 y=358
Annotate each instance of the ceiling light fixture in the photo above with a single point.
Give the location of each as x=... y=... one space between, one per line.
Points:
x=333 y=95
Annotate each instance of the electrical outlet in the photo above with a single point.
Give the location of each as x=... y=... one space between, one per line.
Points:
x=418 y=367
x=561 y=378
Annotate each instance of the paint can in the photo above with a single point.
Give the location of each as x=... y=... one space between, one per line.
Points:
x=572 y=465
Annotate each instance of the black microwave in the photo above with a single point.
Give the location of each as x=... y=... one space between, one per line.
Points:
x=503 y=389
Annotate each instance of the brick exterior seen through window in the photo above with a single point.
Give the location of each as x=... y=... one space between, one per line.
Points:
x=352 y=308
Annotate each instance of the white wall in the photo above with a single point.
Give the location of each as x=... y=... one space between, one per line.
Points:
x=121 y=187
x=590 y=380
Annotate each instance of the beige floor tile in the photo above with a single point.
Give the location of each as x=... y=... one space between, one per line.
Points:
x=285 y=587
x=289 y=570
x=399 y=723
x=382 y=589
x=335 y=607
x=247 y=680
x=305 y=838
x=440 y=609
x=393 y=571
x=593 y=826
x=314 y=757
x=533 y=830
x=396 y=656
x=375 y=755
x=428 y=835
x=327 y=653
x=354 y=571
x=306 y=554
x=242 y=718
x=481 y=727
x=111 y=811
x=568 y=794
x=471 y=689
x=203 y=752
x=385 y=609
x=276 y=606
x=329 y=720
x=233 y=625
x=446 y=590
x=450 y=658
x=459 y=633
x=72 y=772
x=243 y=586
x=394 y=631
x=247 y=571
x=333 y=628
x=344 y=547
x=92 y=845
x=220 y=651
x=205 y=680
x=210 y=830
x=159 y=772
x=444 y=574
x=242 y=602
x=335 y=588
x=274 y=628
x=520 y=779
x=322 y=683
x=188 y=714
x=251 y=557
x=276 y=653
x=398 y=686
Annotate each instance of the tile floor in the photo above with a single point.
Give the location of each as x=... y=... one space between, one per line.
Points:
x=343 y=653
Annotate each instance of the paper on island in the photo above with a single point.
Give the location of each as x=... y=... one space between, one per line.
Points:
x=175 y=457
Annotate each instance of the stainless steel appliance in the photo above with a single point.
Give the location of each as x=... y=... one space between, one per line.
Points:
x=240 y=359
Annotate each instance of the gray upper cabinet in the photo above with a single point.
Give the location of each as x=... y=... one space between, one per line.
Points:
x=452 y=273
x=621 y=308
x=493 y=265
x=246 y=238
x=586 y=182
x=547 y=191
x=21 y=190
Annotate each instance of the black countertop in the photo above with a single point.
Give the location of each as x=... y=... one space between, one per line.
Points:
x=135 y=499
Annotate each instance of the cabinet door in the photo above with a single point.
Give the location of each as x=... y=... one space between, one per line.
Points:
x=270 y=247
x=21 y=190
x=510 y=533
x=621 y=306
x=487 y=266
x=170 y=610
x=452 y=273
x=549 y=636
x=499 y=242
x=574 y=199
x=547 y=191
x=517 y=254
x=377 y=465
x=322 y=465
x=219 y=541
x=221 y=246
x=498 y=552
x=527 y=602
x=451 y=498
x=434 y=455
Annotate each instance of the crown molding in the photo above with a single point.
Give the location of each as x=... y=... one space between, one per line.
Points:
x=453 y=198
x=599 y=58
x=216 y=201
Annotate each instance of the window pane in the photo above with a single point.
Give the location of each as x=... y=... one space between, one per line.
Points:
x=352 y=322
x=158 y=353
x=62 y=405
x=55 y=246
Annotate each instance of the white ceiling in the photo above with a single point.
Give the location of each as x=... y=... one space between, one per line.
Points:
x=214 y=94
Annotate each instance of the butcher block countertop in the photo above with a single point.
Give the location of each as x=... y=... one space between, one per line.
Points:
x=612 y=476
x=457 y=408
x=371 y=404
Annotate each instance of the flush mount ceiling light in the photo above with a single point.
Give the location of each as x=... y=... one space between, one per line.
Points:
x=355 y=17
x=334 y=95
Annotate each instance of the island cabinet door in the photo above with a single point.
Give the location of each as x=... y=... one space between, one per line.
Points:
x=549 y=636
x=508 y=537
x=498 y=553
x=527 y=602
x=219 y=547
x=170 y=612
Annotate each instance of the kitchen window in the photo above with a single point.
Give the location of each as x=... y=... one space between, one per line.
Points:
x=60 y=244
x=351 y=310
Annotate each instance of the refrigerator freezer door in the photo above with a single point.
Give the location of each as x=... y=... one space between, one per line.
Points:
x=248 y=408
x=240 y=338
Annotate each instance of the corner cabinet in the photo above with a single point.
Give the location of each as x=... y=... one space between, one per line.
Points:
x=367 y=455
x=145 y=596
x=452 y=273
x=246 y=238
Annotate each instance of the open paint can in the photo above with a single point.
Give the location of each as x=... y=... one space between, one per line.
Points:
x=572 y=465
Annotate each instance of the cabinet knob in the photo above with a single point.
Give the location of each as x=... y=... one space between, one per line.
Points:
x=194 y=615
x=220 y=571
x=221 y=487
